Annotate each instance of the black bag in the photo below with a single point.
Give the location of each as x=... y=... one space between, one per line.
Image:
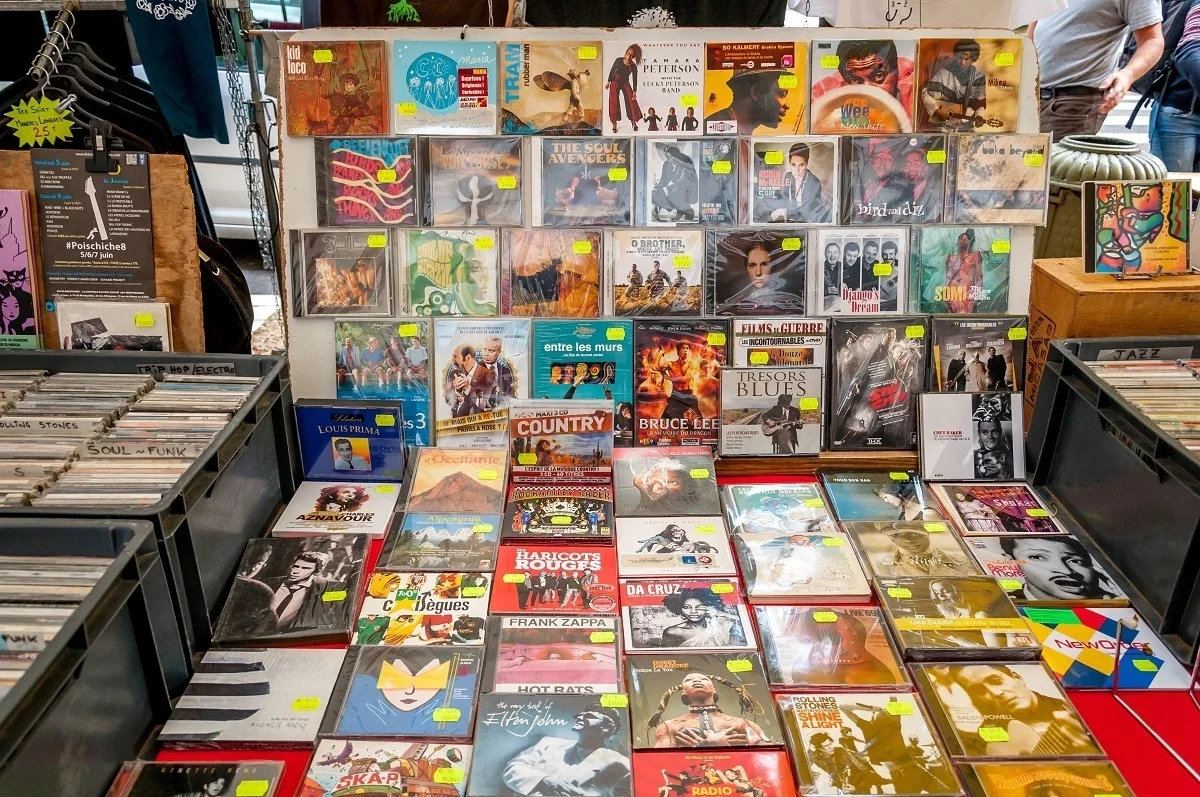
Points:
x=228 y=310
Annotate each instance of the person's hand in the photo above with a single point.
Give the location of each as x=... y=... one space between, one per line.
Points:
x=557 y=786
x=689 y=737
x=461 y=383
x=1114 y=88
x=728 y=736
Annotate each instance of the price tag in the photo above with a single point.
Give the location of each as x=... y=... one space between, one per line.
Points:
x=773 y=157
x=618 y=174
x=447 y=775
x=485 y=242
x=322 y=56
x=488 y=475
x=716 y=338
x=899 y=708
x=914 y=331
x=810 y=403
x=615 y=333
x=898 y=476
x=1018 y=333
x=935 y=156
x=788 y=82
x=834 y=542
x=882 y=269
x=406 y=108
x=385 y=176
x=815 y=503
x=1010 y=584
x=1037 y=512
x=143 y=320
x=587 y=53
x=1145 y=665
x=899 y=592
x=334 y=596
x=699 y=473
x=252 y=788
x=739 y=665
x=706 y=528
x=790 y=244
x=506 y=182
x=385 y=420
x=1005 y=59
x=38 y=121
x=376 y=241
x=689 y=100
x=830 y=62
x=601 y=637
x=514 y=578
x=581 y=247
x=306 y=704
x=386 y=488
x=527 y=458
x=408 y=330
x=560 y=520
x=682 y=261
x=1034 y=159
x=474 y=592
x=993 y=734
x=1001 y=247
x=935 y=527
x=759 y=358
x=825 y=617
x=614 y=701
x=722 y=589
x=482 y=528
x=721 y=167
x=1051 y=616
x=447 y=714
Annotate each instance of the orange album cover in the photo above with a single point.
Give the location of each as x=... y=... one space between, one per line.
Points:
x=335 y=88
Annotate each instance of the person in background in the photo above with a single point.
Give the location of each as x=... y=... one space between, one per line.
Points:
x=1175 y=120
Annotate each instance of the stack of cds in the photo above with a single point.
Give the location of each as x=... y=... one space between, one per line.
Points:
x=1165 y=391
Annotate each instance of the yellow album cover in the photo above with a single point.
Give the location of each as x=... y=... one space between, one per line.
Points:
x=965 y=85
x=755 y=88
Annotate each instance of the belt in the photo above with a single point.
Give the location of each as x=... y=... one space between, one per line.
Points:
x=1070 y=91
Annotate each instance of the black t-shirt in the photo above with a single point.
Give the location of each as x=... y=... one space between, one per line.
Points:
x=412 y=13
x=655 y=13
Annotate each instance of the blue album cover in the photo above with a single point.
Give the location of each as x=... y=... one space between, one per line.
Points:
x=351 y=440
x=587 y=360
x=879 y=497
x=444 y=86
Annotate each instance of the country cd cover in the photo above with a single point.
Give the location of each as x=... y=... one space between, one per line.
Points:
x=450 y=273
x=1012 y=779
x=754 y=773
x=240 y=698
x=387 y=361
x=966 y=85
x=961 y=270
x=861 y=742
x=556 y=745
x=555 y=579
x=336 y=88
x=359 y=440
x=426 y=608
x=829 y=646
x=445 y=86
x=791 y=180
x=972 y=436
x=775 y=508
x=551 y=88
x=911 y=548
x=673 y=547
x=553 y=513
x=1046 y=570
x=483 y=365
x=549 y=272
x=449 y=480
x=786 y=567
x=338 y=507
x=757 y=272
x=582 y=182
x=590 y=361
x=878 y=369
x=677 y=400
x=866 y=495
x=862 y=86
x=347 y=273
x=397 y=692
x=973 y=355
x=755 y=88
x=155 y=778
x=894 y=179
x=1136 y=227
x=390 y=769
x=953 y=618
x=457 y=542
x=576 y=655
x=474 y=182
x=293 y=590
x=556 y=441
x=771 y=412
x=701 y=700
x=998 y=178
x=654 y=272
x=1003 y=711
x=654 y=87
x=366 y=182
x=995 y=509
x=687 y=182
x=650 y=482
x=862 y=271
x=772 y=341
x=663 y=614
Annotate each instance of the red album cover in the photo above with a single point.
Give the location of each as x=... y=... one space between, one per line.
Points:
x=713 y=773
x=555 y=579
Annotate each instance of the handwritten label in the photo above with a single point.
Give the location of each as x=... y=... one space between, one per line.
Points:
x=474 y=592
x=406 y=108
x=506 y=182
x=303 y=704
x=587 y=53
x=1005 y=59
x=1001 y=247
x=1018 y=333
x=739 y=665
x=898 y=476
x=38 y=121
x=788 y=82
x=447 y=775
x=514 y=578
x=773 y=157
x=699 y=473
x=618 y=174
x=614 y=701
x=914 y=331
x=1145 y=665
x=993 y=734
x=825 y=617
x=603 y=637
x=935 y=527
x=322 y=56
x=1034 y=159
x=376 y=241
x=830 y=62
x=447 y=714
x=899 y=592
x=682 y=261
x=882 y=269
x=615 y=333
x=790 y=244
x=386 y=488
x=689 y=100
x=716 y=338
x=385 y=176
x=935 y=156
x=815 y=503
x=527 y=458
x=482 y=528
x=560 y=520
x=721 y=167
x=1010 y=584
x=810 y=403
x=385 y=420
x=1037 y=513
x=722 y=589
x=252 y=788
x=706 y=528
x=1051 y=616
x=143 y=320
x=581 y=247
x=759 y=358
x=485 y=242
x=834 y=542
x=334 y=596
x=899 y=708
x=408 y=330
x=488 y=475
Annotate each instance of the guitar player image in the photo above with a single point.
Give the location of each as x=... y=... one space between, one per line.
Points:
x=782 y=423
x=955 y=96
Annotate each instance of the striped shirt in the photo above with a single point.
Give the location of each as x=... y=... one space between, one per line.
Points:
x=1191 y=26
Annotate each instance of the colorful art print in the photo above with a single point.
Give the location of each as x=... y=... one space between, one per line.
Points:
x=1012 y=779
x=668 y=615
x=878 y=369
x=775 y=508
x=483 y=365
x=943 y=618
x=556 y=745
x=861 y=742
x=336 y=88
x=402 y=375
x=556 y=440
x=1079 y=646
x=894 y=180
x=1046 y=570
x=338 y=507
x=770 y=341
x=961 y=270
x=363 y=440
x=995 y=509
x=771 y=412
x=862 y=272
x=553 y=513
x=966 y=85
x=1136 y=227
x=665 y=482
x=967 y=436
x=398 y=692
x=460 y=542
x=555 y=579
x=862 y=86
x=756 y=773
x=701 y=700
x=757 y=272
x=554 y=655
x=154 y=778
x=447 y=480
x=1003 y=711
x=20 y=325
x=366 y=182
x=552 y=273
x=292 y=590
x=451 y=273
x=792 y=180
x=347 y=273
x=973 y=355
x=785 y=567
x=755 y=88
x=654 y=272
x=998 y=178
x=445 y=86
x=577 y=360
x=551 y=88
x=391 y=769
x=583 y=182
x=828 y=646
x=654 y=87
x=426 y=608
x=673 y=547
x=475 y=182
x=911 y=548
x=879 y=496
x=677 y=399
x=255 y=697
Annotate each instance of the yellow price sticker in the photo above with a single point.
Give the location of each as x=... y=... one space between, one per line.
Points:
x=790 y=244
x=385 y=176
x=993 y=734
x=788 y=82
x=406 y=108
x=1001 y=247
x=614 y=701
x=408 y=330
x=618 y=174
x=322 y=56
x=716 y=338
x=385 y=420
x=506 y=182
x=581 y=247
x=825 y=617
x=603 y=637
x=1145 y=665
x=914 y=331
x=488 y=475
x=899 y=708
x=448 y=775
x=560 y=520
x=935 y=156
x=699 y=473
x=587 y=53
x=386 y=488
x=1010 y=584
x=485 y=242
x=474 y=592
x=739 y=665
x=682 y=261
x=143 y=320
x=898 y=476
x=527 y=458
x=615 y=333
x=759 y=358
x=834 y=542
x=689 y=100
x=305 y=704
x=252 y=788
x=722 y=589
x=721 y=167
x=773 y=157
x=935 y=527
x=706 y=528
x=482 y=528
x=1034 y=159
x=447 y=714
x=830 y=62
x=377 y=241
x=810 y=403
x=514 y=578
x=899 y=592
x=1037 y=513
x=815 y=503
x=882 y=269
x=1018 y=333
x=1005 y=59
x=334 y=596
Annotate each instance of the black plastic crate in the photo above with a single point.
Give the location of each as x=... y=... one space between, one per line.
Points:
x=1130 y=491
x=90 y=698
x=226 y=497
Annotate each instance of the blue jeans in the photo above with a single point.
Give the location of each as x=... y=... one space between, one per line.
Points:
x=1175 y=134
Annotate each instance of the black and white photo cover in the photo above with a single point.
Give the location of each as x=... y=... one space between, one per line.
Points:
x=970 y=437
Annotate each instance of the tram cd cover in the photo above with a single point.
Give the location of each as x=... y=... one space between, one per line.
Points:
x=551 y=88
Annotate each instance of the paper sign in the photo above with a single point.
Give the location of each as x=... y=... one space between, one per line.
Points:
x=721 y=167
x=834 y=542
x=759 y=358
x=1005 y=59
x=252 y=788
x=810 y=403
x=601 y=637
x=773 y=157
x=488 y=475
x=788 y=82
x=618 y=174
x=898 y=476
x=815 y=503
x=935 y=156
x=706 y=528
x=882 y=269
x=408 y=330
x=506 y=182
x=406 y=109
x=447 y=714
x=484 y=243
x=899 y=592
x=447 y=775
x=482 y=528
x=935 y=527
x=1034 y=159
x=1001 y=247
x=1052 y=616
x=581 y=247
x=739 y=665
x=825 y=617
x=560 y=520
x=514 y=578
x=699 y=473
x=1037 y=512
x=790 y=244
x=143 y=320
x=1145 y=665
x=716 y=338
x=306 y=704
x=334 y=596
x=377 y=241
x=1010 y=584
x=527 y=458
x=385 y=176
x=386 y=488
x=914 y=331
x=682 y=261
x=615 y=333
x=993 y=734
x=474 y=592
x=722 y=589
x=614 y=701
x=830 y=62
x=322 y=56
x=38 y=121
x=1018 y=333
x=899 y=708
x=587 y=53
x=384 y=420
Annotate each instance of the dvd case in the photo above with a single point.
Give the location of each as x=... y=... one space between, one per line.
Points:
x=972 y=436
x=551 y=88
x=1012 y=779
x=347 y=273
x=771 y=412
x=783 y=568
x=444 y=542
x=555 y=579
x=388 y=768
x=669 y=614
x=677 y=400
x=554 y=441
x=866 y=495
x=862 y=271
x=995 y=509
x=590 y=361
x=673 y=547
x=829 y=647
x=366 y=182
x=450 y=272
x=447 y=480
x=555 y=655
x=695 y=773
x=474 y=182
x=894 y=179
x=757 y=272
x=961 y=270
x=964 y=85
x=335 y=88
x=338 y=508
x=998 y=178
x=670 y=280
x=686 y=182
x=911 y=548
x=1113 y=244
x=549 y=272
x=583 y=182
x=352 y=440
x=862 y=86
x=977 y=354
x=776 y=508
x=654 y=87
x=428 y=608
x=755 y=88
x=664 y=482
x=791 y=180
x=444 y=86
x=1046 y=570
x=401 y=374
x=779 y=342
x=483 y=365
x=556 y=513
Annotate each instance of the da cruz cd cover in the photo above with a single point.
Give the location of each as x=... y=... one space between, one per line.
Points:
x=687 y=182
x=654 y=272
x=555 y=579
x=557 y=655
x=336 y=88
x=347 y=273
x=444 y=87
x=400 y=374
x=483 y=367
x=366 y=182
x=961 y=269
x=894 y=179
x=446 y=480
x=677 y=399
x=551 y=272
x=1136 y=227
x=998 y=178
x=550 y=513
x=862 y=86
x=389 y=769
x=757 y=272
x=474 y=182
x=442 y=542
x=654 y=88
x=792 y=180
x=878 y=371
x=755 y=88
x=771 y=412
x=662 y=482
x=862 y=271
x=665 y=614
x=426 y=608
x=582 y=182
x=551 y=88
x=966 y=85
x=829 y=647
x=450 y=272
